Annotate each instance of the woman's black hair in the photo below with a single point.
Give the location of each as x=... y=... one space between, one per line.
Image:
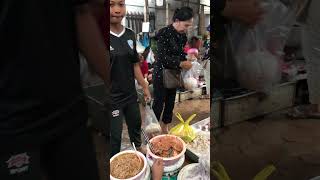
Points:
x=182 y=14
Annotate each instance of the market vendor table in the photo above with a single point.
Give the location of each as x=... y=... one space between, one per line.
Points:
x=185 y=95
x=191 y=156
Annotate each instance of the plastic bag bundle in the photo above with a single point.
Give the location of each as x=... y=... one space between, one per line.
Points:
x=276 y=30
x=196 y=69
x=202 y=170
x=259 y=69
x=190 y=77
x=258 y=52
x=204 y=162
x=151 y=123
x=183 y=129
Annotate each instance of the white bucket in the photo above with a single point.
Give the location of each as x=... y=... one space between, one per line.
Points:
x=141 y=174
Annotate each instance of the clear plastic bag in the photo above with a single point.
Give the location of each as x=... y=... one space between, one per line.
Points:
x=258 y=70
x=258 y=52
x=191 y=77
x=151 y=123
x=150 y=58
x=202 y=170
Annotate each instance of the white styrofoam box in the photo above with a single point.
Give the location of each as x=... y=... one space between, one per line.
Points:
x=248 y=106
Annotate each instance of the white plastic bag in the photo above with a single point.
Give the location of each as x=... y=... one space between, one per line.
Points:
x=202 y=170
x=258 y=52
x=258 y=69
x=151 y=123
x=150 y=58
x=191 y=77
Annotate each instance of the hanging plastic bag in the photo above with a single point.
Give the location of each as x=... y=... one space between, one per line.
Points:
x=151 y=123
x=196 y=69
x=258 y=52
x=276 y=25
x=191 y=77
x=150 y=58
x=258 y=69
x=183 y=129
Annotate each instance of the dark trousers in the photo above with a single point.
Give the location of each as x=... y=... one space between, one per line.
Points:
x=164 y=100
x=131 y=113
x=68 y=157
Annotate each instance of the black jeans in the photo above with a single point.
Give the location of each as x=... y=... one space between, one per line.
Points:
x=164 y=100
x=131 y=113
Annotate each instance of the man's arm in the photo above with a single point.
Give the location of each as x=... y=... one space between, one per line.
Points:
x=139 y=77
x=91 y=42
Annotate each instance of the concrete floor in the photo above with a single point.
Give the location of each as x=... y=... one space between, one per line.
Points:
x=293 y=146
x=186 y=108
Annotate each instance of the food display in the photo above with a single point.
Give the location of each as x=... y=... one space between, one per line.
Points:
x=126 y=165
x=167 y=147
x=195 y=171
x=200 y=144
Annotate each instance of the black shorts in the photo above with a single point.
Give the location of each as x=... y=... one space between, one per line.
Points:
x=69 y=157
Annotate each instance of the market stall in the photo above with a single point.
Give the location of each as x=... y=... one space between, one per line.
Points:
x=185 y=153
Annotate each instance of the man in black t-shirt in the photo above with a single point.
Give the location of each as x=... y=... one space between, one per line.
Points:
x=43 y=112
x=125 y=68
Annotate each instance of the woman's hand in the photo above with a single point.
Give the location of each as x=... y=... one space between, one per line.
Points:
x=186 y=65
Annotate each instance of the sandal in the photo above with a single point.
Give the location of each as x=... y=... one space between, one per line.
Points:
x=297 y=113
x=304 y=113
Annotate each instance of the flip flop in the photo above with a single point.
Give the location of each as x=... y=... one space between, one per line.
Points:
x=303 y=113
x=297 y=113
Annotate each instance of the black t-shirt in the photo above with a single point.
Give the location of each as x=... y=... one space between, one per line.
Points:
x=39 y=65
x=123 y=56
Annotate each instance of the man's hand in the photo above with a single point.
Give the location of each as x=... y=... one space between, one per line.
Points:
x=142 y=82
x=157 y=169
x=147 y=95
x=247 y=12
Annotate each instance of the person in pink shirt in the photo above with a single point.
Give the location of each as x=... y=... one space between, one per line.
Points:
x=143 y=66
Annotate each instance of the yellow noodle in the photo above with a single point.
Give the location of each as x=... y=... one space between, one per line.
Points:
x=126 y=166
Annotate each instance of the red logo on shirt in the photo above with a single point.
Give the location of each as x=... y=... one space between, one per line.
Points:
x=18 y=160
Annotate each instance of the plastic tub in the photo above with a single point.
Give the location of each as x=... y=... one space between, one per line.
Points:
x=167 y=161
x=141 y=175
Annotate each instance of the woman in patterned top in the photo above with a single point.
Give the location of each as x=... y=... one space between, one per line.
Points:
x=170 y=42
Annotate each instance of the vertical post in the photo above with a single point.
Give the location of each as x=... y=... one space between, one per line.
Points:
x=167 y=13
x=201 y=20
x=146 y=11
